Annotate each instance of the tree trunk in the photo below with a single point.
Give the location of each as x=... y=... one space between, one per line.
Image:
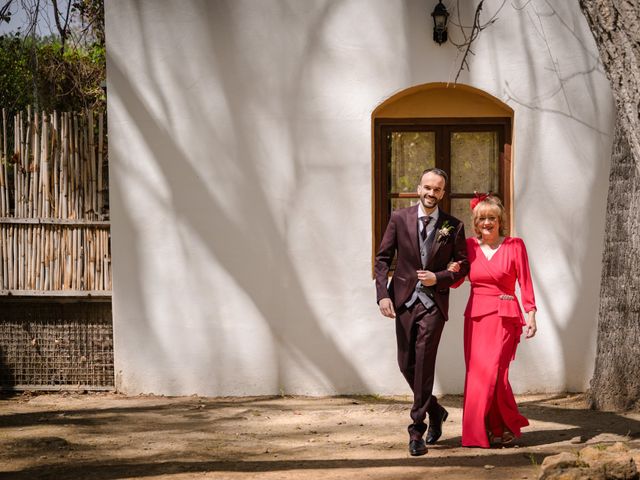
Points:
x=615 y=25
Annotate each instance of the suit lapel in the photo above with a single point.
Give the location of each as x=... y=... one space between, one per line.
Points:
x=412 y=231
x=435 y=245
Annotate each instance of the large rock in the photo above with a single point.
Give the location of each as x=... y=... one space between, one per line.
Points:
x=572 y=473
x=615 y=462
x=592 y=463
x=560 y=461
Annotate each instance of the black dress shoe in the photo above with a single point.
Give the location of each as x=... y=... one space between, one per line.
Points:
x=435 y=426
x=417 y=448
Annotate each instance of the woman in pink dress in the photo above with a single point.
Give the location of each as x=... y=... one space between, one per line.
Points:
x=493 y=325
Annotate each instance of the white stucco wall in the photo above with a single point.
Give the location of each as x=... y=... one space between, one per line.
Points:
x=240 y=169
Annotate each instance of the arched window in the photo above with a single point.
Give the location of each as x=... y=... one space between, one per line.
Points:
x=460 y=129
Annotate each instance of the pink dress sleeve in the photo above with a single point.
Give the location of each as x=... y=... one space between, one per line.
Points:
x=524 y=277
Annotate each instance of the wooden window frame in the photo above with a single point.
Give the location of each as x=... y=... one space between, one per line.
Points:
x=443 y=127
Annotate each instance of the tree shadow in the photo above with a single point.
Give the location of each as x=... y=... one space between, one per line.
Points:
x=245 y=241
x=582 y=424
x=563 y=233
x=134 y=468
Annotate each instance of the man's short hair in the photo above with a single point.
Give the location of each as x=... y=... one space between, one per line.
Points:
x=437 y=171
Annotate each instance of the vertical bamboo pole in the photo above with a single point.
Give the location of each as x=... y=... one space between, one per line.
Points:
x=43 y=258
x=16 y=166
x=93 y=174
x=4 y=266
x=44 y=156
x=64 y=174
x=36 y=257
x=105 y=266
x=2 y=256
x=18 y=170
x=28 y=172
x=9 y=254
x=66 y=259
x=75 y=189
x=4 y=183
x=33 y=261
x=29 y=259
x=76 y=256
x=98 y=258
x=12 y=279
x=33 y=168
x=5 y=151
x=26 y=152
x=100 y=165
x=20 y=254
x=94 y=253
x=86 y=191
x=109 y=270
x=55 y=155
x=86 y=253
x=48 y=271
x=57 y=252
x=60 y=259
x=16 y=256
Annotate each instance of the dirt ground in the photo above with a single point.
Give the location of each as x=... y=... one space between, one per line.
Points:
x=109 y=436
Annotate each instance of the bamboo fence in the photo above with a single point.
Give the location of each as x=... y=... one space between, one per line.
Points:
x=54 y=228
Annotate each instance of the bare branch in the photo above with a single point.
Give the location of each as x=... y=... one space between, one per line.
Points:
x=62 y=29
x=464 y=48
x=475 y=31
x=522 y=7
x=5 y=13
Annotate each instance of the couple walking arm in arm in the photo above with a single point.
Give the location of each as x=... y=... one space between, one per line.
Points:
x=432 y=257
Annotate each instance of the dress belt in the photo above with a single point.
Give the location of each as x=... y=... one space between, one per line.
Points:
x=500 y=295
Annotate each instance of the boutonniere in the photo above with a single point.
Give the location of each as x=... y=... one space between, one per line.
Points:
x=444 y=231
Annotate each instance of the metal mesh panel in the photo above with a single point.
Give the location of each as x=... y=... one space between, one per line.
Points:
x=51 y=344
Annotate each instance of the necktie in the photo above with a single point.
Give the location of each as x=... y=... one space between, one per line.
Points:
x=425 y=222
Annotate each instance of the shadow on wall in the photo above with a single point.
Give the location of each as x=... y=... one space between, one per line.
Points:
x=576 y=329
x=262 y=269
x=546 y=101
x=574 y=239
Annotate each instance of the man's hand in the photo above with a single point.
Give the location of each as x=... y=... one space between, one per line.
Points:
x=386 y=308
x=426 y=277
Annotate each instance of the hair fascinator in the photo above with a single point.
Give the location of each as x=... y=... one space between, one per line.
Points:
x=479 y=197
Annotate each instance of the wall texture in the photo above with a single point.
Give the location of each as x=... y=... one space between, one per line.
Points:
x=240 y=156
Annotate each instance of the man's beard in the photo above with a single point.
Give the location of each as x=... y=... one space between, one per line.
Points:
x=424 y=201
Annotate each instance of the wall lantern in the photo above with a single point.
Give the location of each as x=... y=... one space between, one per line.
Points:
x=440 y=17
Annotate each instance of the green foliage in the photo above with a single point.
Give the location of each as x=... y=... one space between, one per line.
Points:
x=55 y=73
x=16 y=79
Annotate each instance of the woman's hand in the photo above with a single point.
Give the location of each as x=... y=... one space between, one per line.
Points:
x=531 y=324
x=453 y=267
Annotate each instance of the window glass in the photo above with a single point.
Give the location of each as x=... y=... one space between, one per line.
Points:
x=411 y=154
x=460 y=209
x=470 y=150
x=474 y=162
x=397 y=203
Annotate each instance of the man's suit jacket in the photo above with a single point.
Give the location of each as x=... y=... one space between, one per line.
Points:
x=401 y=237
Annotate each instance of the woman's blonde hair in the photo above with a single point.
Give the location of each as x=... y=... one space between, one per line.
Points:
x=494 y=205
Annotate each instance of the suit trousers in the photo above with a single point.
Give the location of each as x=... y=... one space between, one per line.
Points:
x=418 y=333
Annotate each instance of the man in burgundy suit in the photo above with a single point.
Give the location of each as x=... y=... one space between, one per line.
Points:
x=425 y=239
